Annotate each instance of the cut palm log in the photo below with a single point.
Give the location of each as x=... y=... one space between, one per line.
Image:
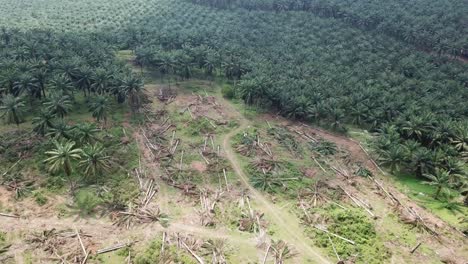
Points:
x=335 y=235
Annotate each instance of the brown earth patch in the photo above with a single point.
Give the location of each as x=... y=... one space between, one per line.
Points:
x=198 y=166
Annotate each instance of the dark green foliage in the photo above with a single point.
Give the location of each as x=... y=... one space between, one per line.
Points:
x=321 y=70
x=86 y=202
x=228 y=91
x=283 y=178
x=40 y=198
x=423 y=23
x=200 y=127
x=284 y=137
x=323 y=147
x=12 y=109
x=57 y=66
x=363 y=172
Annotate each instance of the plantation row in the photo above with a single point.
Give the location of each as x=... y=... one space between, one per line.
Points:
x=72 y=16
x=440 y=26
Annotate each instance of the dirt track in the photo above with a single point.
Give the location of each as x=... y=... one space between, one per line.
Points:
x=288 y=224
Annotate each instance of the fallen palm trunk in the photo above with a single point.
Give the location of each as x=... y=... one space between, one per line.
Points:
x=200 y=260
x=9 y=215
x=359 y=203
x=113 y=248
x=335 y=235
x=411 y=211
x=415 y=248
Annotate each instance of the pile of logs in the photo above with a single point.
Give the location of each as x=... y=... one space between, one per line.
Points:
x=140 y=212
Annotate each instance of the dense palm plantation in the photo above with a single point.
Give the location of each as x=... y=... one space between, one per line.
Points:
x=439 y=26
x=45 y=71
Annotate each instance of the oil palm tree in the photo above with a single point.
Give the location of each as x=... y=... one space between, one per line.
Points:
x=394 y=157
x=61 y=157
x=58 y=104
x=100 y=108
x=27 y=85
x=12 y=109
x=61 y=84
x=84 y=79
x=133 y=87
x=95 y=160
x=100 y=81
x=421 y=161
x=41 y=76
x=440 y=179
x=8 y=77
x=86 y=133
x=60 y=129
x=460 y=138
x=43 y=122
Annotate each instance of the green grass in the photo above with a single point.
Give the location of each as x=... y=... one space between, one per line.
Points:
x=352 y=224
x=423 y=194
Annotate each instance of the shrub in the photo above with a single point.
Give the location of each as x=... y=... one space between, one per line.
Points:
x=40 y=198
x=227 y=91
x=86 y=201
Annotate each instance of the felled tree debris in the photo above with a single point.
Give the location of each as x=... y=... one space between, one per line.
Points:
x=187 y=188
x=166 y=94
x=9 y=215
x=266 y=164
x=140 y=212
x=208 y=201
x=217 y=248
x=251 y=144
x=251 y=220
x=282 y=251
x=63 y=245
x=114 y=247
x=359 y=202
x=407 y=214
x=17 y=144
x=15 y=181
x=137 y=215
x=19 y=186
x=285 y=138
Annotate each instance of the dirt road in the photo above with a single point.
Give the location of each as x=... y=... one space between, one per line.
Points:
x=288 y=225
